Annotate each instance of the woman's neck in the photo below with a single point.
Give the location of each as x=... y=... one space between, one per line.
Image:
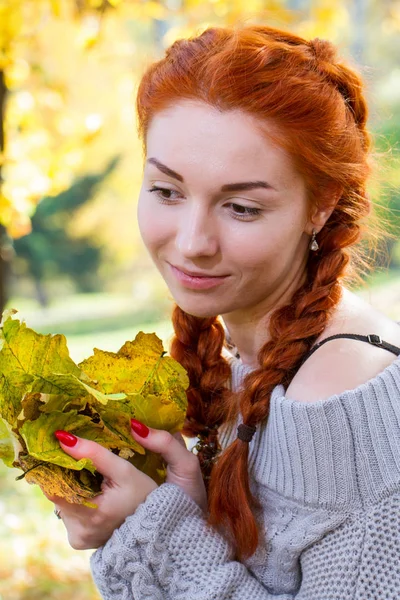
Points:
x=250 y=340
x=249 y=330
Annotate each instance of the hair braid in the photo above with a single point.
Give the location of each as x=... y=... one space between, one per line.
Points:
x=293 y=329
x=197 y=345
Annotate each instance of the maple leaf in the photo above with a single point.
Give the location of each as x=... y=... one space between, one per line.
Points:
x=43 y=390
x=27 y=356
x=112 y=371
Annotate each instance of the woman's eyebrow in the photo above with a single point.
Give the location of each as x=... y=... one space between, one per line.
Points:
x=246 y=185
x=228 y=187
x=165 y=169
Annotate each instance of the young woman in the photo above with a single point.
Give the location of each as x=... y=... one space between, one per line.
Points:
x=253 y=199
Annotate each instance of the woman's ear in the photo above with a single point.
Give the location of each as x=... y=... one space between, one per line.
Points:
x=329 y=198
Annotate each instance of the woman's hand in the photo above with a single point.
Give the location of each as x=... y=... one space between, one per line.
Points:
x=124 y=487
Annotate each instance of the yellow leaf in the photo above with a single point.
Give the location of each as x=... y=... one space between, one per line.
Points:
x=42 y=390
x=77 y=487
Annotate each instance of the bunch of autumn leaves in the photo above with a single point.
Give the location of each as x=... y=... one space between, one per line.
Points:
x=43 y=390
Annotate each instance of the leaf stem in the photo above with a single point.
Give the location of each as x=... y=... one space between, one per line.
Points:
x=31 y=469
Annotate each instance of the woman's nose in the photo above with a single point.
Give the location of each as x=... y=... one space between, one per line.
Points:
x=196 y=235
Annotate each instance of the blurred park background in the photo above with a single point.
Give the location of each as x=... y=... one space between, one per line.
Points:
x=71 y=260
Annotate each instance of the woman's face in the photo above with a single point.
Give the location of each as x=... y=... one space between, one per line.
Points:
x=222 y=212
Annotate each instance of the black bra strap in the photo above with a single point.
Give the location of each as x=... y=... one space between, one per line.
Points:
x=372 y=338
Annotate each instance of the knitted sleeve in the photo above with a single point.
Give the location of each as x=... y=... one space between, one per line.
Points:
x=166 y=551
x=360 y=560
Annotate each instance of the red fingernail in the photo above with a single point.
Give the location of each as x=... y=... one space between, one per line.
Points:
x=139 y=428
x=66 y=438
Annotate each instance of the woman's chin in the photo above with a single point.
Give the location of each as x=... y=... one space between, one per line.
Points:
x=201 y=312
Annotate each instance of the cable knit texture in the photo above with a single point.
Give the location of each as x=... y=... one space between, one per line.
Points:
x=327 y=475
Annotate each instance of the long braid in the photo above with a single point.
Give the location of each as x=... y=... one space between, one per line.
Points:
x=197 y=345
x=293 y=329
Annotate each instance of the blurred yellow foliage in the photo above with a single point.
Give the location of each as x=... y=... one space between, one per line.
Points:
x=71 y=66
x=40 y=157
x=45 y=45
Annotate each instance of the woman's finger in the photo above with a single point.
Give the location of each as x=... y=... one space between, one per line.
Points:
x=171 y=447
x=107 y=463
x=50 y=497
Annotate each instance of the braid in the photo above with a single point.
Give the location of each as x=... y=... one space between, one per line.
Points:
x=293 y=329
x=197 y=345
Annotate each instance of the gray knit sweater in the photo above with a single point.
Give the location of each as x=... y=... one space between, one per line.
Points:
x=327 y=474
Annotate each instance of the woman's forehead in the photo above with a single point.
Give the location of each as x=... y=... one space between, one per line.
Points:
x=191 y=135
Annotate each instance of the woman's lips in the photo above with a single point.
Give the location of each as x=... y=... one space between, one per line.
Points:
x=196 y=282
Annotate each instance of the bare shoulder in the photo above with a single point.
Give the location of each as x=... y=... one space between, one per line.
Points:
x=344 y=364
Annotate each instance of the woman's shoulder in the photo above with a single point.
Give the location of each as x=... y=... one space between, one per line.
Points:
x=344 y=364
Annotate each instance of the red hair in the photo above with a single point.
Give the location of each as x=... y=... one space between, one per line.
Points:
x=317 y=103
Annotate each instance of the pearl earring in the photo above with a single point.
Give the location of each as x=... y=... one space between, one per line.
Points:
x=314 y=244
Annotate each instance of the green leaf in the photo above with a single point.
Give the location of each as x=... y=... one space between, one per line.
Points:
x=12 y=389
x=114 y=434
x=157 y=411
x=42 y=444
x=27 y=356
x=10 y=446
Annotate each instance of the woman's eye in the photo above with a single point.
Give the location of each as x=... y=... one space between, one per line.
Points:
x=163 y=193
x=241 y=212
x=238 y=210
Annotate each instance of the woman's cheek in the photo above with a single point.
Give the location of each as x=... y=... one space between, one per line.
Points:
x=145 y=222
x=153 y=227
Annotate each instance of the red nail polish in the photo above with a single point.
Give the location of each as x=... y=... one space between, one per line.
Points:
x=66 y=438
x=140 y=428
